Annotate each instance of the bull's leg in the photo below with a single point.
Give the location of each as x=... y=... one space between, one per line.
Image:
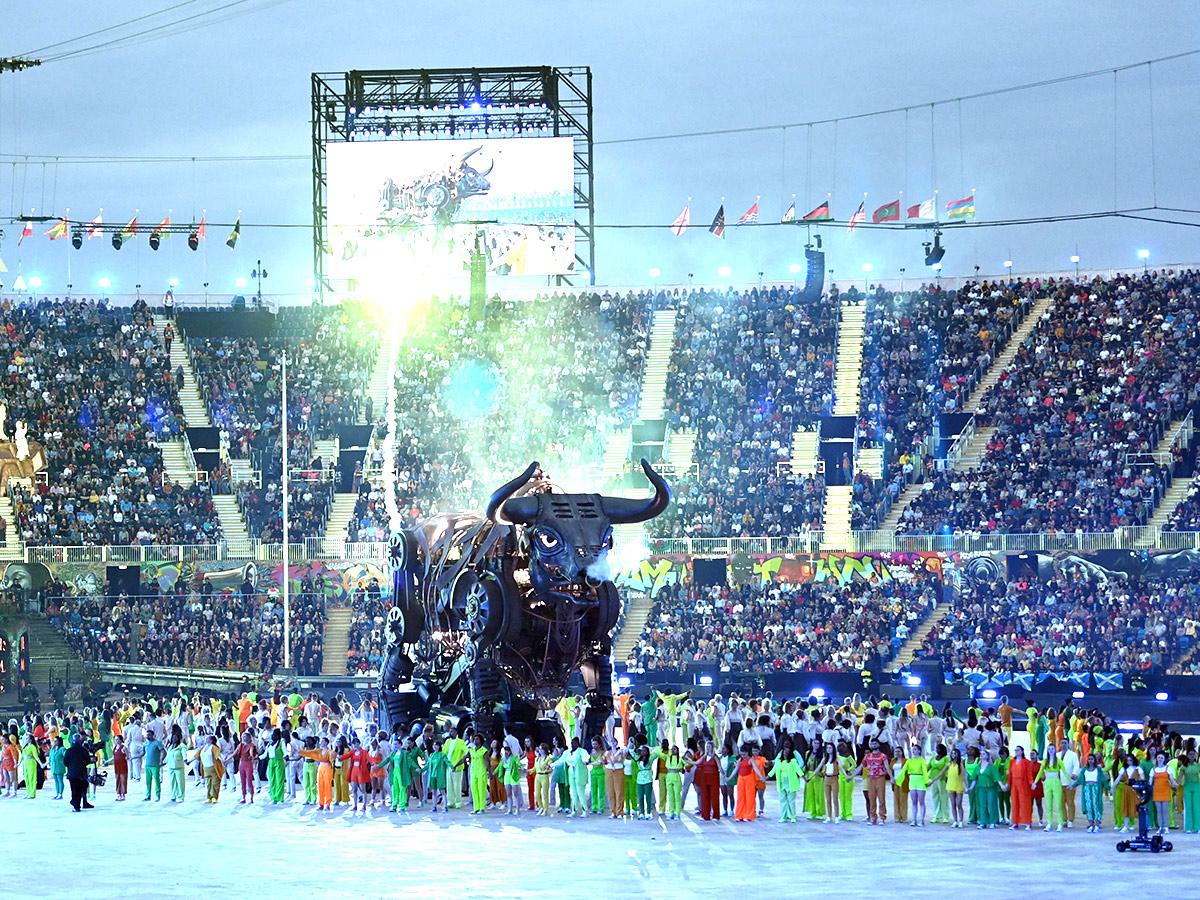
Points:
x=488 y=697
x=597 y=675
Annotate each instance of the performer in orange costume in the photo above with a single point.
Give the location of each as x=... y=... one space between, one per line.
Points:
x=1020 y=785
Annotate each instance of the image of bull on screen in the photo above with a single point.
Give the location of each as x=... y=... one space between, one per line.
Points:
x=421 y=206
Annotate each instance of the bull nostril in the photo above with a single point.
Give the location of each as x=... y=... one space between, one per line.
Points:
x=593 y=581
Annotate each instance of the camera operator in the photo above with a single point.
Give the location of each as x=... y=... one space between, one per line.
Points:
x=78 y=759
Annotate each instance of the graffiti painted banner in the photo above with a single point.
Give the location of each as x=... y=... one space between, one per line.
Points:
x=844 y=568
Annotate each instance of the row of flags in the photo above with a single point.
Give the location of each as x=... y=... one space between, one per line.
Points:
x=95 y=228
x=889 y=212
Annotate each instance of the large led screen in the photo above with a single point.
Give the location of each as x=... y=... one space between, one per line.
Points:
x=405 y=208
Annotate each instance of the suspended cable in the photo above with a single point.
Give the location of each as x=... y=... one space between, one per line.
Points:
x=91 y=34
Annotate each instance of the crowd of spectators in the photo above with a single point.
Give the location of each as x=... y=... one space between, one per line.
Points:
x=1186 y=516
x=780 y=627
x=330 y=352
x=1089 y=394
x=369 y=611
x=1070 y=623
x=748 y=370
x=308 y=508
x=193 y=625
x=547 y=379
x=924 y=351
x=93 y=387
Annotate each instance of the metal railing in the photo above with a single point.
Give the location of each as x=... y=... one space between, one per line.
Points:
x=959 y=447
x=879 y=541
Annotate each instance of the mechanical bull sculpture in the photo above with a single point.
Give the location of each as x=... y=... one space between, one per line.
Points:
x=497 y=612
x=433 y=199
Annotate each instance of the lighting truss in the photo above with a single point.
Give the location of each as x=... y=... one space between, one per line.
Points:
x=443 y=104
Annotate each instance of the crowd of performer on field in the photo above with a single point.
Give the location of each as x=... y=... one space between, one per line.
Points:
x=648 y=760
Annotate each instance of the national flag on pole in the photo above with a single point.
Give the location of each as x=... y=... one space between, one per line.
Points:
x=961 y=209
x=94 y=227
x=235 y=234
x=820 y=214
x=679 y=226
x=3 y=267
x=790 y=215
x=921 y=210
x=889 y=212
x=128 y=231
x=718 y=223
x=26 y=231
x=860 y=215
x=200 y=230
x=750 y=216
x=161 y=229
x=59 y=230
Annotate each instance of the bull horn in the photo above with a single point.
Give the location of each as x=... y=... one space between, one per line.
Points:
x=623 y=511
x=489 y=168
x=470 y=153
x=494 y=505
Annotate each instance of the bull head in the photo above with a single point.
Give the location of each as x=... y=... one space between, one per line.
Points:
x=570 y=534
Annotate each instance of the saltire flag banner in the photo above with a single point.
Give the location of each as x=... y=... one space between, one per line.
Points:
x=1108 y=681
x=820 y=214
x=26 y=231
x=679 y=226
x=889 y=212
x=718 y=223
x=1023 y=680
x=975 y=679
x=235 y=234
x=921 y=210
x=200 y=230
x=160 y=229
x=790 y=215
x=94 y=227
x=860 y=215
x=961 y=209
x=59 y=230
x=750 y=217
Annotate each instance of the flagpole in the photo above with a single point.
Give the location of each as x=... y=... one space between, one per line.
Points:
x=68 y=220
x=203 y=215
x=287 y=609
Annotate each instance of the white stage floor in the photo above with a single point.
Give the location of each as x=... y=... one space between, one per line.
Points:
x=163 y=850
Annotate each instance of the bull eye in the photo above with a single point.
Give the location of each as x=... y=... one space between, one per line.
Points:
x=548 y=541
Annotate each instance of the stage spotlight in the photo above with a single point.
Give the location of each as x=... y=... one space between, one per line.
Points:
x=1161 y=695
x=1143 y=254
x=935 y=251
x=724 y=271
x=1008 y=264
x=795 y=268
x=912 y=680
x=155 y=241
x=194 y=240
x=624 y=681
x=241 y=282
x=104 y=283
x=1078 y=695
x=654 y=273
x=76 y=238
x=989 y=694
x=35 y=282
x=705 y=681
x=174 y=282
x=116 y=241
x=818 y=692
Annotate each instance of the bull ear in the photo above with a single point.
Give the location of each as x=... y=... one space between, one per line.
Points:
x=498 y=498
x=622 y=510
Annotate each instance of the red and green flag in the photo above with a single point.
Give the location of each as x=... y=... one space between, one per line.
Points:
x=127 y=232
x=889 y=212
x=820 y=214
x=59 y=230
x=235 y=234
x=161 y=228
